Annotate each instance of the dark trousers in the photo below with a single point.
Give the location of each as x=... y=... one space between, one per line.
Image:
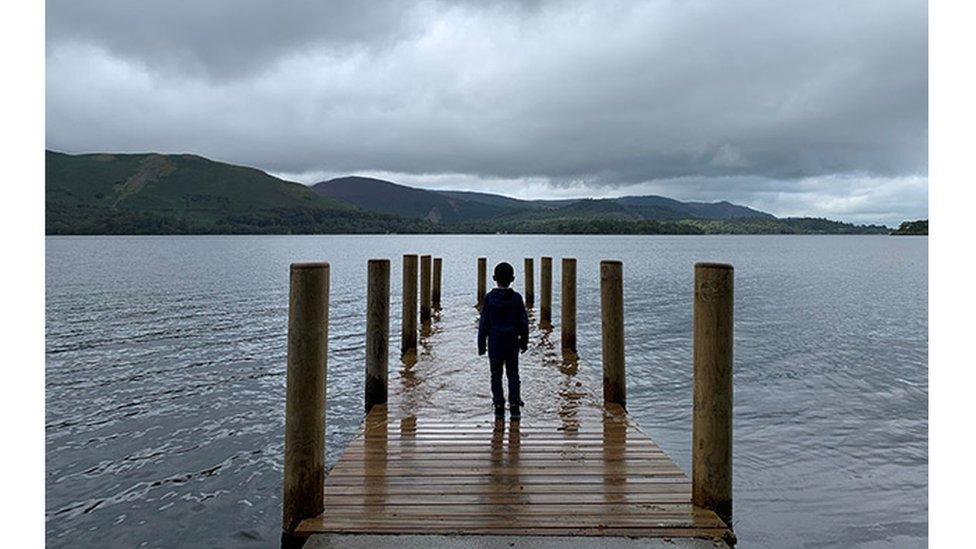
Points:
x=505 y=358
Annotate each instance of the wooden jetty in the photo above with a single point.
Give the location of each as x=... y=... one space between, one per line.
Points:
x=598 y=475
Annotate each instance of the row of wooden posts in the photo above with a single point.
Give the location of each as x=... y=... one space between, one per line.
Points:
x=568 y=308
x=431 y=269
x=308 y=314
x=378 y=292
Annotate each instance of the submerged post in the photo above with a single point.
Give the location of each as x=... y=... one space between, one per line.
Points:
x=308 y=352
x=711 y=456
x=435 y=289
x=425 y=289
x=482 y=280
x=545 y=293
x=377 y=331
x=568 y=305
x=529 y=275
x=408 y=331
x=612 y=308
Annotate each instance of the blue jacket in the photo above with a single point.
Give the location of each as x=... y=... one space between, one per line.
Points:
x=504 y=322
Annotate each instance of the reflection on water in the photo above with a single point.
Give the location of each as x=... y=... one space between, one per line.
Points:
x=375 y=459
x=505 y=481
x=165 y=376
x=446 y=379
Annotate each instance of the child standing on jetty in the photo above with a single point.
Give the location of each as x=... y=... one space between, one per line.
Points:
x=504 y=326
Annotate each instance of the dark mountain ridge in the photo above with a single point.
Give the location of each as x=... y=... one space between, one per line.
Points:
x=188 y=194
x=693 y=210
x=377 y=195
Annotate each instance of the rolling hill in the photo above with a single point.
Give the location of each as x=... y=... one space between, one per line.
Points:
x=186 y=183
x=162 y=194
x=918 y=227
x=379 y=196
x=189 y=194
x=507 y=201
x=659 y=207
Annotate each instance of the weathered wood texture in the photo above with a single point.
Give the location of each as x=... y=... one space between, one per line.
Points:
x=545 y=293
x=425 y=289
x=567 y=305
x=711 y=457
x=601 y=476
x=377 y=331
x=528 y=273
x=408 y=327
x=482 y=281
x=612 y=312
x=308 y=351
x=435 y=287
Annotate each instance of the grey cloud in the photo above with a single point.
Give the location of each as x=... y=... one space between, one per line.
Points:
x=220 y=39
x=590 y=95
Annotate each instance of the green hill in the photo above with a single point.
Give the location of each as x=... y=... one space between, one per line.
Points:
x=449 y=207
x=160 y=194
x=184 y=183
x=786 y=225
x=912 y=228
x=660 y=207
x=188 y=194
x=506 y=201
x=379 y=196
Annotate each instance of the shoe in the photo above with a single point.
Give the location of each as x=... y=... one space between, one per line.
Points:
x=516 y=414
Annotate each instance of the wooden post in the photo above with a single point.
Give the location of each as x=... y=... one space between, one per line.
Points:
x=482 y=280
x=568 y=307
x=408 y=331
x=612 y=307
x=425 y=289
x=377 y=331
x=529 y=275
x=308 y=352
x=545 y=293
x=435 y=289
x=711 y=456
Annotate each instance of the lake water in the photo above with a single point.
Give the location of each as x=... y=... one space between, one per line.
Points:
x=165 y=375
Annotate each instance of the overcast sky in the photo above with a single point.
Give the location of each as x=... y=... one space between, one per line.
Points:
x=796 y=108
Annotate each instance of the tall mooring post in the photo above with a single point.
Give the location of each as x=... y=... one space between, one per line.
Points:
x=425 y=297
x=545 y=293
x=408 y=331
x=568 y=305
x=308 y=353
x=377 y=331
x=529 y=275
x=612 y=309
x=711 y=451
x=435 y=288
x=482 y=280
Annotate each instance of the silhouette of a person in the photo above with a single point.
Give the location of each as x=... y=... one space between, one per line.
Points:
x=503 y=330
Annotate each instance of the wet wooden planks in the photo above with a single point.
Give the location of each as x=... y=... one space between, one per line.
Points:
x=597 y=475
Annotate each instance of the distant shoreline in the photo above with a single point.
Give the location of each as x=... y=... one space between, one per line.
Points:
x=913 y=228
x=470 y=234
x=135 y=194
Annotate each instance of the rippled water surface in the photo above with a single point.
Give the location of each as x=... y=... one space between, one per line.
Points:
x=165 y=375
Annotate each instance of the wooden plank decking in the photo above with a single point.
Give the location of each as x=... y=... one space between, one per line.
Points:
x=597 y=476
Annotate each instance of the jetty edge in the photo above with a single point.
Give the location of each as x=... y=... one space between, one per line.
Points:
x=436 y=481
